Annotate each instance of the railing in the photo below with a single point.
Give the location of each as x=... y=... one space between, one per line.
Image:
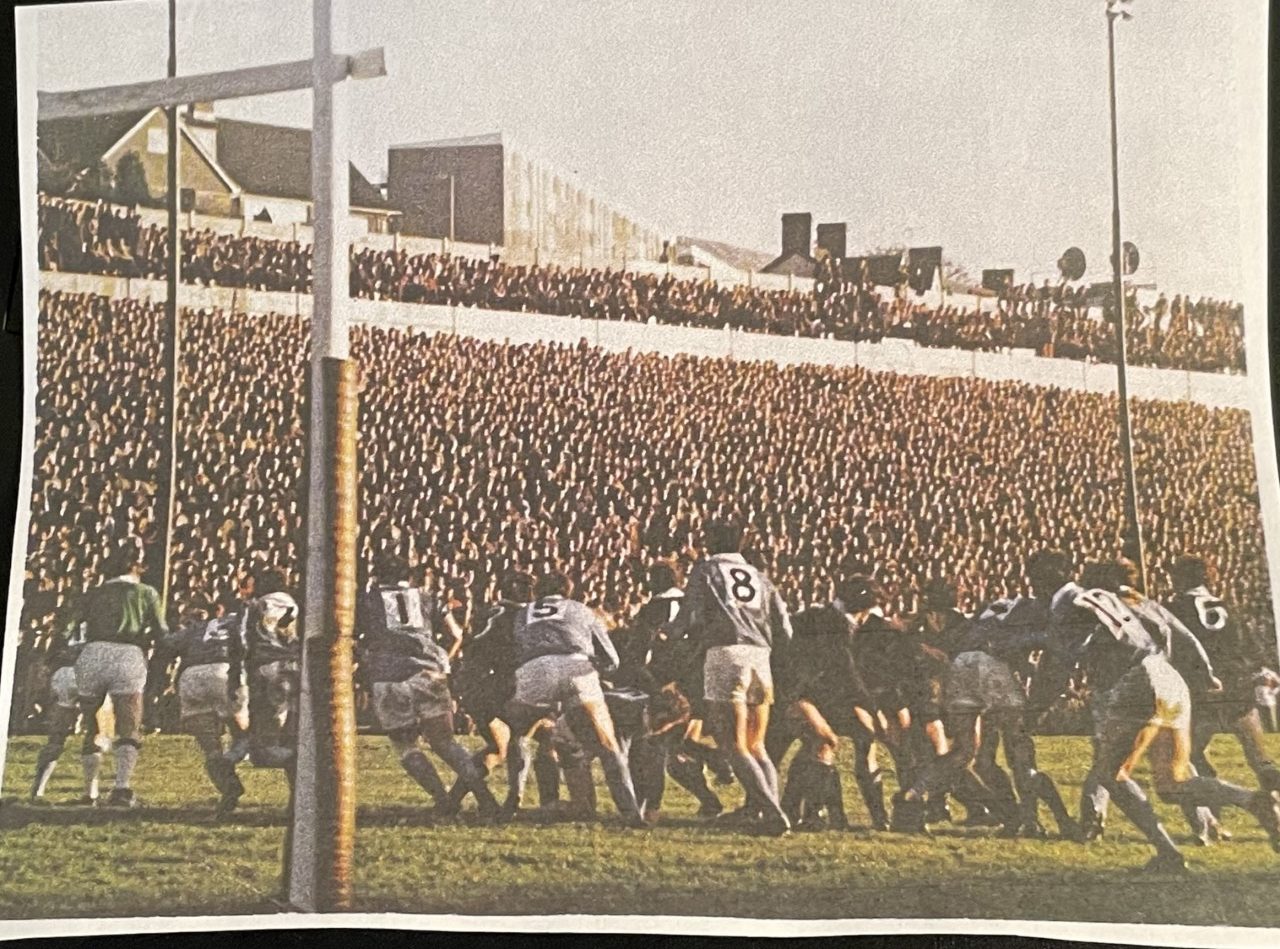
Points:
x=891 y=355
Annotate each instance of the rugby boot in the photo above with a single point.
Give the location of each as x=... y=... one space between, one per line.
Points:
x=937 y=810
x=123 y=798
x=1167 y=861
x=908 y=815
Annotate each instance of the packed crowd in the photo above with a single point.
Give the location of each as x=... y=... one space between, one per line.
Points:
x=478 y=457
x=1057 y=321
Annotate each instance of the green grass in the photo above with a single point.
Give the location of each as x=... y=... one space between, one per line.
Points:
x=170 y=858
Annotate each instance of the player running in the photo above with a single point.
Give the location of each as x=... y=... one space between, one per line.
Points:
x=559 y=642
x=734 y=614
x=1142 y=707
x=210 y=703
x=396 y=628
x=122 y=619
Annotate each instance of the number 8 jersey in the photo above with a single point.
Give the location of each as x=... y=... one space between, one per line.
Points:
x=731 y=603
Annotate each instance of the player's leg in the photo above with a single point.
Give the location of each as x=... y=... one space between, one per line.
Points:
x=206 y=728
x=437 y=728
x=868 y=776
x=521 y=720
x=593 y=726
x=1120 y=747
x=687 y=761
x=567 y=754
x=1177 y=782
x=404 y=741
x=91 y=750
x=127 y=707
x=1248 y=729
x=61 y=723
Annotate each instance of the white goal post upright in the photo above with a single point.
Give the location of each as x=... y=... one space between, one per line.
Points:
x=322 y=809
x=322 y=813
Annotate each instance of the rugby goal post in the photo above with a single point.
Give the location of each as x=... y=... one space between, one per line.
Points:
x=321 y=834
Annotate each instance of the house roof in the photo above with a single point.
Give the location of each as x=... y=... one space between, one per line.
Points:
x=275 y=160
x=740 y=258
x=77 y=143
x=797 y=265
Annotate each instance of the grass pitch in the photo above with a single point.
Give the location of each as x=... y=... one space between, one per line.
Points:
x=171 y=858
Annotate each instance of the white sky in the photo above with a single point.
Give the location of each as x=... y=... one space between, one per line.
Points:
x=975 y=124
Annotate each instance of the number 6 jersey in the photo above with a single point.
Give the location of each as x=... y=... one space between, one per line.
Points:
x=730 y=603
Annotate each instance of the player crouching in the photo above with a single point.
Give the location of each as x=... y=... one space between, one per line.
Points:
x=558 y=642
x=409 y=672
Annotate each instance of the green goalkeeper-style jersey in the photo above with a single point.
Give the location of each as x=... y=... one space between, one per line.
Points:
x=122 y=610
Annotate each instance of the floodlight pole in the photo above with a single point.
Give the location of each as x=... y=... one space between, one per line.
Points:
x=322 y=818
x=1133 y=525
x=172 y=315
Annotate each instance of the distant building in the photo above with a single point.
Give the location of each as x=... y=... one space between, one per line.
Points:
x=228 y=168
x=487 y=189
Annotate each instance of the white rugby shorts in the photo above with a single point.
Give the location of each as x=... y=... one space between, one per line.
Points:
x=110 y=669
x=202 y=690
x=740 y=674
x=558 y=681
x=405 y=704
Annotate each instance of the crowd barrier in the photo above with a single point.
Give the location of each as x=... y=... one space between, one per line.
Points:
x=891 y=355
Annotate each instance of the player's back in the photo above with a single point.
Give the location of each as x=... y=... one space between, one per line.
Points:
x=818 y=662
x=1235 y=656
x=731 y=603
x=556 y=626
x=122 y=610
x=396 y=629
x=205 y=641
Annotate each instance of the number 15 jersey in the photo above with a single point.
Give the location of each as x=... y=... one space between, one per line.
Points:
x=731 y=603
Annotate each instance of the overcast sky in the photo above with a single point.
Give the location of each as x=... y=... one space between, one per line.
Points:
x=975 y=124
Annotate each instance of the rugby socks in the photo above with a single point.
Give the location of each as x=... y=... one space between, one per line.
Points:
x=92 y=764
x=827 y=781
x=799 y=788
x=871 y=786
x=689 y=774
x=126 y=761
x=770 y=774
x=618 y=778
x=546 y=775
x=417 y=766
x=752 y=778
x=46 y=761
x=465 y=767
x=1213 y=793
x=1130 y=799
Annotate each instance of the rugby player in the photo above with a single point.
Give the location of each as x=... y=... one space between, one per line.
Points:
x=209 y=704
x=485 y=681
x=62 y=714
x=558 y=644
x=409 y=670
x=1240 y=661
x=266 y=658
x=122 y=618
x=735 y=616
x=1142 y=708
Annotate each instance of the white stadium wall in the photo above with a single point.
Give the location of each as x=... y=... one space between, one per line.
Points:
x=891 y=355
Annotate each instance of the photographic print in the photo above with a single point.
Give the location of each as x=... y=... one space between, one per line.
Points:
x=737 y=468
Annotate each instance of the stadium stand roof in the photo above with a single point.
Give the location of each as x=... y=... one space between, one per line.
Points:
x=491 y=138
